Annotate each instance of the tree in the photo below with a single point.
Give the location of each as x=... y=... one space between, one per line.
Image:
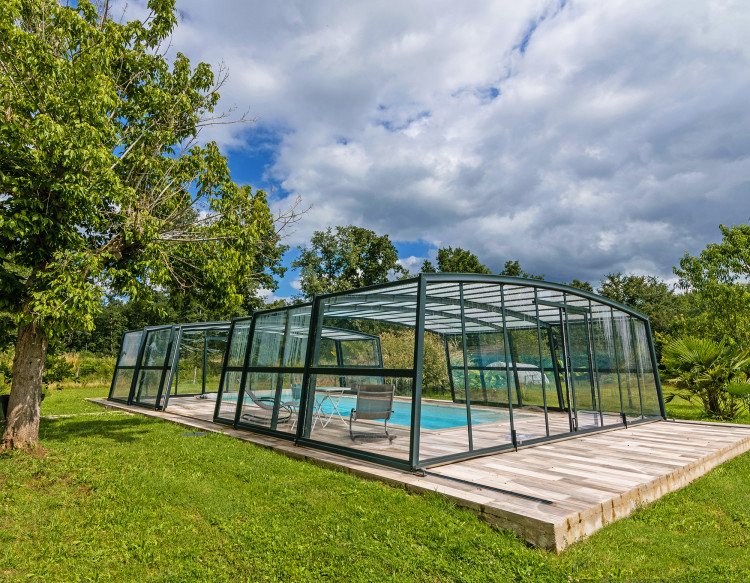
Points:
x=513 y=269
x=647 y=294
x=351 y=257
x=456 y=260
x=719 y=277
x=103 y=183
x=583 y=285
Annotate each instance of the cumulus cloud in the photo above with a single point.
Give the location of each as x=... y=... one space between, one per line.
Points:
x=580 y=137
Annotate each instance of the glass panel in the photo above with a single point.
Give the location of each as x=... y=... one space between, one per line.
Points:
x=535 y=386
x=368 y=414
x=216 y=346
x=608 y=384
x=228 y=395
x=355 y=325
x=129 y=352
x=295 y=347
x=188 y=374
x=444 y=425
x=648 y=382
x=268 y=339
x=561 y=379
x=272 y=400
x=435 y=382
x=628 y=372
x=157 y=343
x=147 y=387
x=238 y=344
x=121 y=384
x=582 y=379
x=196 y=348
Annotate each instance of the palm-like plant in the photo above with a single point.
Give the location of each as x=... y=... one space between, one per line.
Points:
x=713 y=374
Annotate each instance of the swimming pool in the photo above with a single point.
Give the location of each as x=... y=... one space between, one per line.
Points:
x=433 y=416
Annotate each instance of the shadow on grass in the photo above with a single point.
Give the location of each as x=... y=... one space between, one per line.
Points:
x=116 y=428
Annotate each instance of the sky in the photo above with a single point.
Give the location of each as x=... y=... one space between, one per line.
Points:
x=578 y=137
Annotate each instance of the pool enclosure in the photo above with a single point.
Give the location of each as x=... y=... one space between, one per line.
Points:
x=411 y=374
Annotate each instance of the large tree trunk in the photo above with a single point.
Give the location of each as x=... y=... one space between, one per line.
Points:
x=22 y=427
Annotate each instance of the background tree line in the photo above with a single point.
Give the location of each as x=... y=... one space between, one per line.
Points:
x=711 y=300
x=701 y=325
x=114 y=214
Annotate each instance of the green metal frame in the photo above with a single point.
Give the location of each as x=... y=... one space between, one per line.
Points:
x=119 y=367
x=449 y=305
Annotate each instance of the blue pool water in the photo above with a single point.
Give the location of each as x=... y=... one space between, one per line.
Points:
x=433 y=416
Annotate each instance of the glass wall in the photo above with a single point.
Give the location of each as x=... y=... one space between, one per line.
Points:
x=196 y=363
x=358 y=395
x=231 y=376
x=526 y=363
x=150 y=361
x=122 y=381
x=157 y=347
x=272 y=383
x=413 y=373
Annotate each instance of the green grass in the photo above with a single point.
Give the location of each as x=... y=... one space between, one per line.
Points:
x=71 y=399
x=679 y=408
x=117 y=497
x=699 y=533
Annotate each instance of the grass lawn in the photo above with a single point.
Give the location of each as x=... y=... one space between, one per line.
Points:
x=117 y=497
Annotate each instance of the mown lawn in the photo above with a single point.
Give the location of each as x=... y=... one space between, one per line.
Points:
x=116 y=497
x=119 y=497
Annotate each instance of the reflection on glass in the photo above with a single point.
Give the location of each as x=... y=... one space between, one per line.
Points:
x=130 y=344
x=238 y=346
x=367 y=414
x=121 y=385
x=147 y=386
x=157 y=343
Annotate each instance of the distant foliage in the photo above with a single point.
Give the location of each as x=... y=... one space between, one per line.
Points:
x=720 y=278
x=513 y=269
x=456 y=260
x=398 y=352
x=348 y=258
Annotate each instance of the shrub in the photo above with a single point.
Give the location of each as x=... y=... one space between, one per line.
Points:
x=709 y=373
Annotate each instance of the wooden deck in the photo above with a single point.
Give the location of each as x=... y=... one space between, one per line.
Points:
x=551 y=495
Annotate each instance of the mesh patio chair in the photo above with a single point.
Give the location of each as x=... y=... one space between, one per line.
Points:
x=286 y=410
x=374 y=403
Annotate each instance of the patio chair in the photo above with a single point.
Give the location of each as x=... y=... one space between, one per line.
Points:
x=286 y=409
x=374 y=403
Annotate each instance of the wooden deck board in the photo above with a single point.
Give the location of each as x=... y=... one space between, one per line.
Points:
x=590 y=480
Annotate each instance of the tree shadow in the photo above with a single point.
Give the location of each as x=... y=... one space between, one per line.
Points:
x=121 y=429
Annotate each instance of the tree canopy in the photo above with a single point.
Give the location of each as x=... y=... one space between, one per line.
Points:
x=104 y=184
x=456 y=260
x=513 y=269
x=720 y=277
x=348 y=258
x=649 y=295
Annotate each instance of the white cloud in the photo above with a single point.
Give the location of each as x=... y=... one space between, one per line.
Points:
x=580 y=137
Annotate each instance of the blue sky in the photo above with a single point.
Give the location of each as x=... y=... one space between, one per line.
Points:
x=579 y=137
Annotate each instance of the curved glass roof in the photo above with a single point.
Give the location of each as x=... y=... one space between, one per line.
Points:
x=466 y=364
